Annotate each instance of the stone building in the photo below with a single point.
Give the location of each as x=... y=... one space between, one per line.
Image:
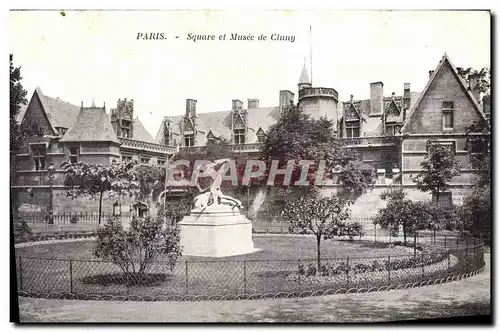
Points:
x=389 y=130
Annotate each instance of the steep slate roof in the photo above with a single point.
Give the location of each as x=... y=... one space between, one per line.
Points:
x=140 y=133
x=92 y=125
x=59 y=113
x=444 y=59
x=220 y=122
x=304 y=77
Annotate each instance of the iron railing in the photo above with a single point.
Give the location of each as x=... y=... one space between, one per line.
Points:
x=225 y=277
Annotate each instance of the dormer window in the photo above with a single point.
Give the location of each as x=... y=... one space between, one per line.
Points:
x=188 y=140
x=261 y=137
x=352 y=128
x=239 y=136
x=126 y=128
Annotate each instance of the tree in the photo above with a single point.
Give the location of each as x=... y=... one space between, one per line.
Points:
x=475 y=213
x=91 y=180
x=18 y=134
x=399 y=210
x=297 y=136
x=479 y=147
x=439 y=167
x=19 y=131
x=483 y=77
x=136 y=249
x=324 y=217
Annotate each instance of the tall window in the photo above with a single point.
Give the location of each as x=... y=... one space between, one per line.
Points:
x=160 y=163
x=126 y=159
x=477 y=151
x=145 y=161
x=188 y=139
x=239 y=136
x=448 y=114
x=39 y=156
x=73 y=154
x=352 y=128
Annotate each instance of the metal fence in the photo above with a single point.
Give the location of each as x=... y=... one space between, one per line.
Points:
x=221 y=278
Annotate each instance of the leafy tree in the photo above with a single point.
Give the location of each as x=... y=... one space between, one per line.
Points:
x=475 y=213
x=399 y=210
x=483 y=77
x=19 y=132
x=438 y=167
x=91 y=180
x=135 y=250
x=479 y=147
x=297 y=136
x=324 y=217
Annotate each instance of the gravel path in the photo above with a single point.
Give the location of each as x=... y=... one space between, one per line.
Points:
x=461 y=298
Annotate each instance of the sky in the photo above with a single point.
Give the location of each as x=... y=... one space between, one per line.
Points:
x=95 y=55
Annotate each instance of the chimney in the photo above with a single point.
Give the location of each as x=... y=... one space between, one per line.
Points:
x=473 y=83
x=406 y=99
x=376 y=98
x=286 y=100
x=237 y=105
x=431 y=72
x=406 y=93
x=487 y=106
x=191 y=108
x=253 y=103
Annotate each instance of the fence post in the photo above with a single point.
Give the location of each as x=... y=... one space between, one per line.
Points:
x=20 y=273
x=298 y=267
x=187 y=287
x=70 y=276
x=388 y=270
x=244 y=277
x=423 y=275
x=457 y=242
x=445 y=241
x=466 y=259
x=347 y=262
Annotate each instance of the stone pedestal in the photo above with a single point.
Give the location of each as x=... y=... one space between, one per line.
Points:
x=217 y=231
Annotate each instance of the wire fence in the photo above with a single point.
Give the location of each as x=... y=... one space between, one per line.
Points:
x=447 y=257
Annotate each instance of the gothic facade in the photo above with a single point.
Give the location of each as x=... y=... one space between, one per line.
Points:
x=390 y=131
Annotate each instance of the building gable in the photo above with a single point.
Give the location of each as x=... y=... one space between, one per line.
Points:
x=36 y=112
x=444 y=86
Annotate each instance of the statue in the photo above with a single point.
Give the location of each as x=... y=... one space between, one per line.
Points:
x=215 y=196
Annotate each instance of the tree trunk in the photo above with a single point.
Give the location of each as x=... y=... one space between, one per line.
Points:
x=404 y=233
x=318 y=241
x=100 y=206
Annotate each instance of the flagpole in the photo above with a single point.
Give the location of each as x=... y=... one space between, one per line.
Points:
x=311 y=53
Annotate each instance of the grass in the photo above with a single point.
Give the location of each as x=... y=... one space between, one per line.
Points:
x=272 y=248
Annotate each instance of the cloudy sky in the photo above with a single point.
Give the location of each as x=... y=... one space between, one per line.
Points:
x=96 y=55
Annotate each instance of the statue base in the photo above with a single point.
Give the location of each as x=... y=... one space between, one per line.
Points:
x=217 y=231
